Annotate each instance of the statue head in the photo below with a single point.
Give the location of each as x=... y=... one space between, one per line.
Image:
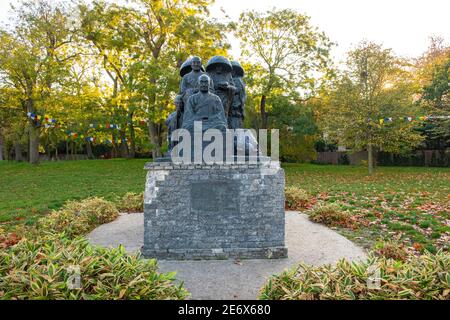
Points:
x=203 y=83
x=178 y=101
x=185 y=68
x=238 y=71
x=218 y=64
x=196 y=63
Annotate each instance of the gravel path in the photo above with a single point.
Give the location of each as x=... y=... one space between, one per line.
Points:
x=306 y=241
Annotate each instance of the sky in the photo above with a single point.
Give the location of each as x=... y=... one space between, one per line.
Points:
x=403 y=25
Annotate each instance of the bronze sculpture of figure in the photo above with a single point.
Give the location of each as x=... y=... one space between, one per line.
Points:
x=189 y=83
x=236 y=118
x=204 y=106
x=186 y=68
x=171 y=123
x=219 y=69
x=220 y=106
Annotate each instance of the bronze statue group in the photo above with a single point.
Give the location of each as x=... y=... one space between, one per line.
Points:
x=216 y=97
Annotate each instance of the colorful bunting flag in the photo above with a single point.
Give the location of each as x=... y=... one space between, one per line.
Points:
x=411 y=118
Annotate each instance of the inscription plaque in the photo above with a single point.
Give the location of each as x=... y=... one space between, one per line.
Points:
x=215 y=196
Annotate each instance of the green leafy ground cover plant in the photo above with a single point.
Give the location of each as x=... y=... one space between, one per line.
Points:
x=296 y=198
x=46 y=267
x=421 y=277
x=80 y=217
x=332 y=215
x=43 y=262
x=131 y=202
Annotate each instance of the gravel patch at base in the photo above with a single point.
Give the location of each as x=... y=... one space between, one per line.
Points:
x=306 y=241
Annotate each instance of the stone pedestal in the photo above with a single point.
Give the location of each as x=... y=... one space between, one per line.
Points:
x=214 y=211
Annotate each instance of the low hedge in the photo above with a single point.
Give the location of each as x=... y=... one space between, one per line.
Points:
x=131 y=202
x=392 y=249
x=331 y=215
x=421 y=277
x=296 y=198
x=80 y=217
x=44 y=268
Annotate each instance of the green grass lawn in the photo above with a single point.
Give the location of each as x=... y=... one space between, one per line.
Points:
x=27 y=192
x=409 y=202
x=412 y=203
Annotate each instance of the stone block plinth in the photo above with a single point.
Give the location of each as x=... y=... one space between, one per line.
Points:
x=214 y=211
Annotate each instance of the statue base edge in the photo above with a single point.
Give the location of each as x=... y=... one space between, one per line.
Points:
x=216 y=254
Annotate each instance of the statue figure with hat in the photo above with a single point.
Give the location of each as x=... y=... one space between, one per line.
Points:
x=236 y=117
x=219 y=69
x=190 y=70
x=186 y=68
x=188 y=85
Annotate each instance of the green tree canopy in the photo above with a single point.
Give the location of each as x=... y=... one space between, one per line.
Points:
x=35 y=56
x=293 y=55
x=375 y=86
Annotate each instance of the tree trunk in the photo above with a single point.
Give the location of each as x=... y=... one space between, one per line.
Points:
x=33 y=153
x=73 y=150
x=153 y=132
x=370 y=158
x=123 y=144
x=161 y=138
x=132 y=152
x=1 y=146
x=153 y=129
x=17 y=151
x=34 y=144
x=89 y=152
x=9 y=152
x=263 y=112
x=114 y=146
x=47 y=151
